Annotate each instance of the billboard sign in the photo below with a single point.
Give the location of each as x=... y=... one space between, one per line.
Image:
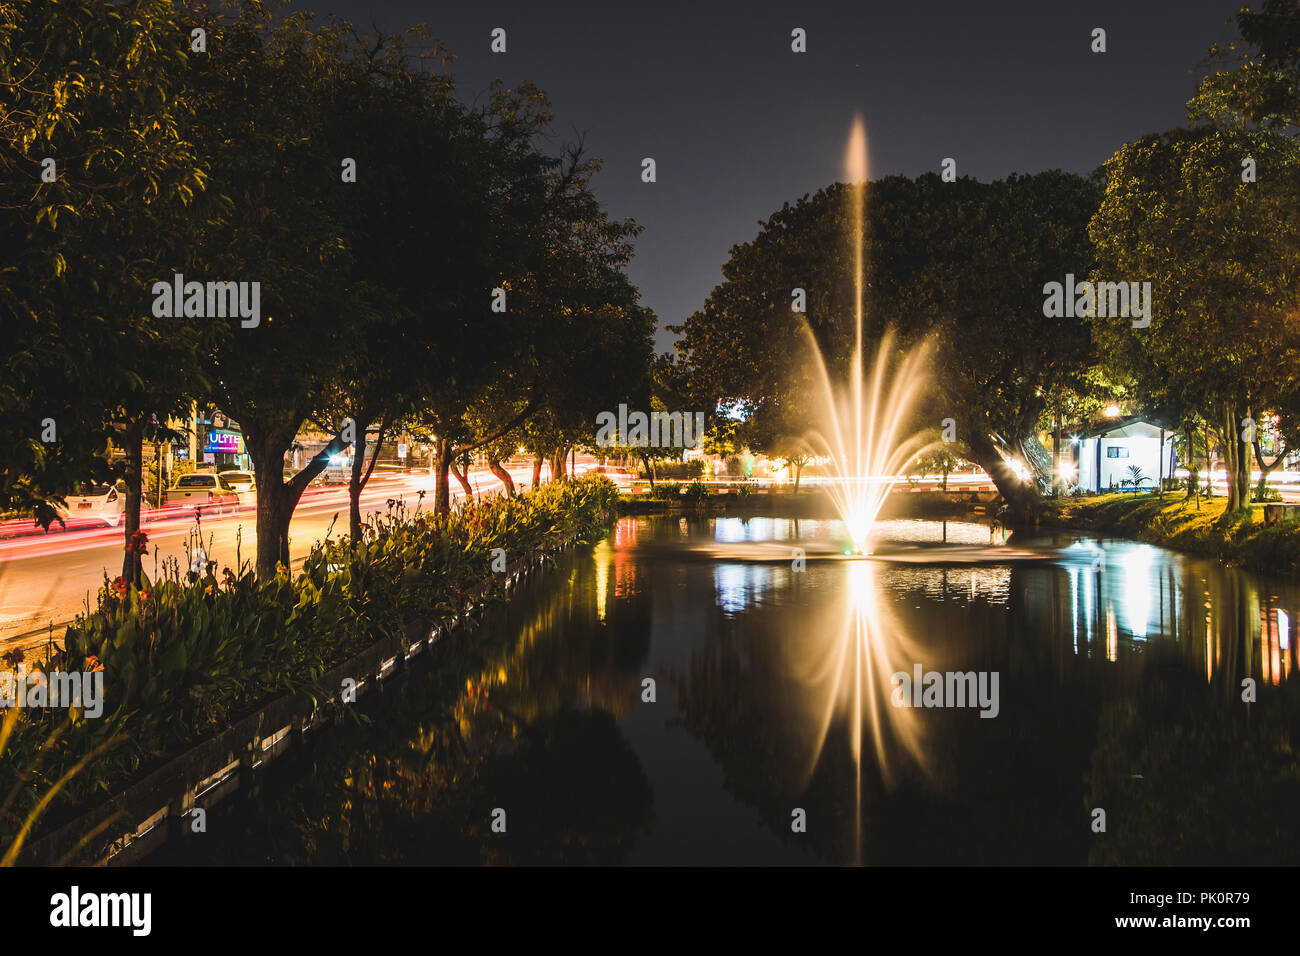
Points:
x=224 y=443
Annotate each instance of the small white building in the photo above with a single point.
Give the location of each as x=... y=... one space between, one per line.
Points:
x=1104 y=456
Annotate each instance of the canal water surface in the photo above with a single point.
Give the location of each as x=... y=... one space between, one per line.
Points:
x=661 y=700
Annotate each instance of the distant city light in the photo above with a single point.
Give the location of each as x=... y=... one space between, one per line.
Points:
x=736 y=411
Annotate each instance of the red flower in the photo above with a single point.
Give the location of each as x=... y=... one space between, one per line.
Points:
x=120 y=586
x=139 y=540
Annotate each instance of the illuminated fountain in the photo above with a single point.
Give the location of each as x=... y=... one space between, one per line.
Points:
x=865 y=439
x=866 y=435
x=844 y=659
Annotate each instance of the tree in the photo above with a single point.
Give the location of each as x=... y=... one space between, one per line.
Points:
x=480 y=170
x=1255 y=81
x=942 y=460
x=372 y=305
x=1281 y=439
x=272 y=216
x=1222 y=258
x=961 y=265
x=1255 y=84
x=580 y=312
x=97 y=173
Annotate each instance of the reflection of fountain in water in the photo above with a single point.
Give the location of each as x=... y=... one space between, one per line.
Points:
x=846 y=663
x=868 y=435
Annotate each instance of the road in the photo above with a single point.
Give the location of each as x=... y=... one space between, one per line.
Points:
x=50 y=577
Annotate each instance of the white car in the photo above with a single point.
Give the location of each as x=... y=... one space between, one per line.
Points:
x=93 y=501
x=204 y=490
x=241 y=480
x=244 y=483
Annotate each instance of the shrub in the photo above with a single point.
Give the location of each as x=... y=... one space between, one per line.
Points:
x=677 y=469
x=666 y=491
x=189 y=653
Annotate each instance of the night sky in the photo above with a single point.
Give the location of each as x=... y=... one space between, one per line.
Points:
x=738 y=124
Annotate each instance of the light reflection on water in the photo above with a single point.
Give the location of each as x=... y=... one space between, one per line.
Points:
x=1121 y=671
x=1121 y=596
x=1121 y=593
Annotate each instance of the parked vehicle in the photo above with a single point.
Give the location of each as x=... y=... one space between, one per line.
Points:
x=240 y=480
x=245 y=485
x=94 y=501
x=204 y=490
x=337 y=472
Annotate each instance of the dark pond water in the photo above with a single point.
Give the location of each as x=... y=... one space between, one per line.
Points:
x=1112 y=681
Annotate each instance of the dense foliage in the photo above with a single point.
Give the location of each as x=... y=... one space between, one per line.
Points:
x=186 y=654
x=383 y=218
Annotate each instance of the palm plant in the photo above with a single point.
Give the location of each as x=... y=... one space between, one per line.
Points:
x=1135 y=477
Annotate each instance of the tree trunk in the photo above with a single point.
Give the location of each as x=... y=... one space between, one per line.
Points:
x=798 y=473
x=275 y=503
x=360 y=477
x=355 y=484
x=1229 y=446
x=276 y=498
x=1193 y=479
x=1242 y=458
x=494 y=465
x=537 y=471
x=463 y=478
x=442 y=491
x=1023 y=498
x=1265 y=469
x=1057 y=484
x=1209 y=464
x=131 y=565
x=557 y=464
x=1233 y=450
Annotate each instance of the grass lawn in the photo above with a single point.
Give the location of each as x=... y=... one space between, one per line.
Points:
x=1175 y=522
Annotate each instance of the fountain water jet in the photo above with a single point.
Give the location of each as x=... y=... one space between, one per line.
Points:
x=866 y=438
